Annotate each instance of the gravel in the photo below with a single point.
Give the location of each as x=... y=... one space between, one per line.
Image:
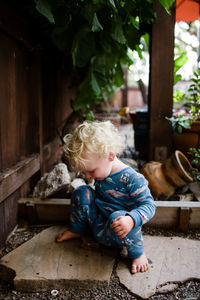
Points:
x=189 y=290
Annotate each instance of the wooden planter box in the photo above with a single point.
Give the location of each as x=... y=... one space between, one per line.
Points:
x=180 y=214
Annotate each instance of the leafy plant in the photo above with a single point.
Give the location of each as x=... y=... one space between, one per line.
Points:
x=178 y=96
x=98 y=34
x=194 y=96
x=179 y=62
x=179 y=122
x=194 y=156
x=192 y=102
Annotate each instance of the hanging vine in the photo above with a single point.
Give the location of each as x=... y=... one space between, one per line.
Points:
x=97 y=34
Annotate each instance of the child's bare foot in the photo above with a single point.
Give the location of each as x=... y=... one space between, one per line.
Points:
x=139 y=264
x=67 y=235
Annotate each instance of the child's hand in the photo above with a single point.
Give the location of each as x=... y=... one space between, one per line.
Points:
x=122 y=225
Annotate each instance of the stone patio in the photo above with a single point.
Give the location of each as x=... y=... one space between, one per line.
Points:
x=42 y=263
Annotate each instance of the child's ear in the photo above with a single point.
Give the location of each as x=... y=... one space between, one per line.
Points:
x=111 y=156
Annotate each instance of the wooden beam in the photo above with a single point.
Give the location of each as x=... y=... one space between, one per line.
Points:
x=47 y=211
x=170 y=214
x=51 y=210
x=13 y=178
x=161 y=83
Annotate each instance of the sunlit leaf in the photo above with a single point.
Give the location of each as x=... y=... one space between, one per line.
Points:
x=44 y=8
x=96 y=26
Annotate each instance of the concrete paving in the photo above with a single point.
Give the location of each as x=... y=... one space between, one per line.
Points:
x=41 y=263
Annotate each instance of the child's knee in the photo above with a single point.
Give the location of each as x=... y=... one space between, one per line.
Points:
x=82 y=195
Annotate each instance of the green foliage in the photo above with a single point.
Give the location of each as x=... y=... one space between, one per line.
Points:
x=179 y=62
x=178 y=96
x=192 y=100
x=194 y=157
x=98 y=34
x=166 y=4
x=179 y=122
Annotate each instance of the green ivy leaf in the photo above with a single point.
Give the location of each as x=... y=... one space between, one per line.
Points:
x=179 y=62
x=177 y=77
x=167 y=4
x=44 y=9
x=132 y=35
x=119 y=76
x=83 y=47
x=112 y=3
x=118 y=34
x=96 y=26
x=95 y=86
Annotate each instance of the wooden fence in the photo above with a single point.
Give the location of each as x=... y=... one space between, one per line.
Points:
x=34 y=103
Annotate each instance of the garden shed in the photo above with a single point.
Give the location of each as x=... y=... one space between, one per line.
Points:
x=37 y=85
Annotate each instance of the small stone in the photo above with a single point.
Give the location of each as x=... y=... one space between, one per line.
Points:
x=54 y=293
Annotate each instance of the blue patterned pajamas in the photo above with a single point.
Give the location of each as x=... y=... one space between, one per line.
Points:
x=121 y=193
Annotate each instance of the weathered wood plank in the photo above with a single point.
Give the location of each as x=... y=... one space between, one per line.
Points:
x=8 y=217
x=2 y=225
x=52 y=153
x=17 y=27
x=14 y=177
x=8 y=105
x=57 y=210
x=38 y=211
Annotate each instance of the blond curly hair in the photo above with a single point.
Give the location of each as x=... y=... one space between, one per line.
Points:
x=93 y=138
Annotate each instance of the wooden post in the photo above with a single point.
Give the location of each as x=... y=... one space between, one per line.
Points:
x=184 y=219
x=161 y=83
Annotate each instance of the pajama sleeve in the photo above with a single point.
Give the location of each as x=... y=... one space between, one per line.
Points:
x=140 y=195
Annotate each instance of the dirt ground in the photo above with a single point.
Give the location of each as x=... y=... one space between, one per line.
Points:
x=189 y=290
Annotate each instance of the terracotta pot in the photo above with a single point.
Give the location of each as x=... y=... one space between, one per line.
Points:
x=188 y=138
x=164 y=178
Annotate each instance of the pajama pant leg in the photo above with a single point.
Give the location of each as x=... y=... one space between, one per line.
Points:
x=82 y=210
x=133 y=241
x=84 y=214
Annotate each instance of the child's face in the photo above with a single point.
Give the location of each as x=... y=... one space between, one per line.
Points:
x=97 y=168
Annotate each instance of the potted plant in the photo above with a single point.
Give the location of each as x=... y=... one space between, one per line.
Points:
x=186 y=123
x=194 y=157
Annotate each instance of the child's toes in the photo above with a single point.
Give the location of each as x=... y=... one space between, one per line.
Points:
x=59 y=238
x=134 y=269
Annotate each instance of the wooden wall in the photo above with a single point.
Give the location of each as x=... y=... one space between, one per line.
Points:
x=35 y=96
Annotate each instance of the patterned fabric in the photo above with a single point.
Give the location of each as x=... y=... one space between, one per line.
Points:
x=125 y=190
x=122 y=193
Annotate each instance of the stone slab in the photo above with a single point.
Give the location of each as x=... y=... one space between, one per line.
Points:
x=172 y=260
x=42 y=263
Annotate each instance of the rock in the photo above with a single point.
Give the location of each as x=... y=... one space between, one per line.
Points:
x=195 y=189
x=171 y=260
x=52 y=182
x=41 y=263
x=77 y=182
